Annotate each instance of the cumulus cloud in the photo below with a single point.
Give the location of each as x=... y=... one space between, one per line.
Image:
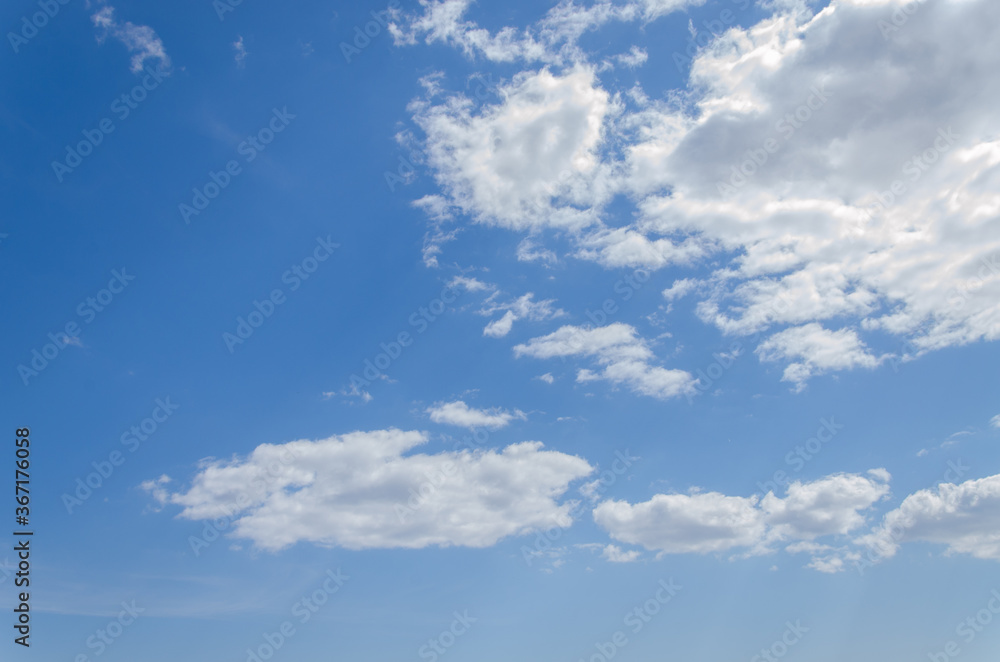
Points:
x=815 y=350
x=460 y=414
x=370 y=490
x=838 y=177
x=506 y=164
x=707 y=522
x=140 y=40
x=964 y=517
x=624 y=358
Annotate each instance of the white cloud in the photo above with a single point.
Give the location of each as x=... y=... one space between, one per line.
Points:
x=815 y=350
x=369 y=490
x=140 y=40
x=964 y=517
x=501 y=327
x=614 y=554
x=239 y=52
x=636 y=57
x=713 y=522
x=523 y=307
x=460 y=414
x=470 y=284
x=553 y=39
x=995 y=422
x=833 y=505
x=824 y=114
x=529 y=251
x=623 y=356
x=507 y=163
x=681 y=523
x=680 y=288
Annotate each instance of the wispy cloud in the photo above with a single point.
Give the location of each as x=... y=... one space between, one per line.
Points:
x=140 y=40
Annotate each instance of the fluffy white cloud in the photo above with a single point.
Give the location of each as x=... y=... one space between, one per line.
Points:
x=500 y=327
x=680 y=523
x=679 y=289
x=460 y=414
x=815 y=350
x=713 y=522
x=964 y=517
x=140 y=40
x=995 y=422
x=507 y=163
x=368 y=490
x=833 y=505
x=623 y=356
x=839 y=175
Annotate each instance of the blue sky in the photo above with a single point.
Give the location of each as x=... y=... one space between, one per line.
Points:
x=505 y=317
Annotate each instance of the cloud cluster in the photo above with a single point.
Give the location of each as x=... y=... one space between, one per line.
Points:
x=705 y=522
x=554 y=39
x=369 y=490
x=964 y=517
x=373 y=490
x=624 y=358
x=840 y=177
